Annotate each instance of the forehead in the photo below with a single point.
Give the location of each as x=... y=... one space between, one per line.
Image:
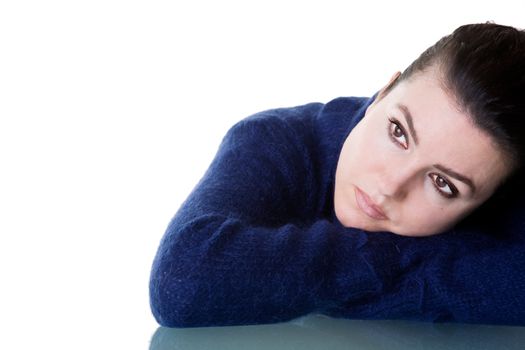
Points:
x=446 y=134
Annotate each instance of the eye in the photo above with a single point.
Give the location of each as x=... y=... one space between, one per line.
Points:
x=397 y=133
x=441 y=183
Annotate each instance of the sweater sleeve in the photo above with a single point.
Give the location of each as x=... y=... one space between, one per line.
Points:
x=248 y=246
x=238 y=250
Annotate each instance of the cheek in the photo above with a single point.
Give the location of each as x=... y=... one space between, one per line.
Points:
x=424 y=218
x=371 y=150
x=354 y=155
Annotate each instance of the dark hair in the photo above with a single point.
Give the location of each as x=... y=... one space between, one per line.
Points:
x=482 y=66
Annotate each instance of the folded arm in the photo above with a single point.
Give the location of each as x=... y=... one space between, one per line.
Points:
x=242 y=250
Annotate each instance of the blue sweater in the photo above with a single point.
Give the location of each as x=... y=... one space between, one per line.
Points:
x=257 y=241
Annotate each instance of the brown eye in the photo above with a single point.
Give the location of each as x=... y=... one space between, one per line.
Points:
x=397 y=131
x=397 y=134
x=441 y=185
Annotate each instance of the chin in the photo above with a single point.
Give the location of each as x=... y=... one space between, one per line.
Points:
x=355 y=221
x=416 y=233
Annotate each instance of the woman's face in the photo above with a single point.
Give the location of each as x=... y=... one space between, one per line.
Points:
x=419 y=159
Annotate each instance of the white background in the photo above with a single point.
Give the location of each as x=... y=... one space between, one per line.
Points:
x=111 y=111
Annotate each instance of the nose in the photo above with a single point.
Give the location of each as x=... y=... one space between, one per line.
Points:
x=394 y=181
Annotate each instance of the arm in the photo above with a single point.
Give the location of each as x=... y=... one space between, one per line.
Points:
x=238 y=252
x=219 y=271
x=246 y=248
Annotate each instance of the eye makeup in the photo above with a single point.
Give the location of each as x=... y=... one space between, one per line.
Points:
x=437 y=179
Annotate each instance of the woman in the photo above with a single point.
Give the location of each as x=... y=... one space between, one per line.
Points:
x=279 y=226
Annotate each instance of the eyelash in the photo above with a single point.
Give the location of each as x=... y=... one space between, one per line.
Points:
x=392 y=137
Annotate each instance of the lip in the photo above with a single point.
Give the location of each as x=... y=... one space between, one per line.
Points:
x=367 y=206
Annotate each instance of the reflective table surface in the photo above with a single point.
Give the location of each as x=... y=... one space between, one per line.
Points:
x=321 y=332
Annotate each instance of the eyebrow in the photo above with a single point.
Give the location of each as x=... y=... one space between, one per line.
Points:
x=408 y=116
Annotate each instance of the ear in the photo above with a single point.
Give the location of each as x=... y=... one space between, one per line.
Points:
x=382 y=93
x=392 y=80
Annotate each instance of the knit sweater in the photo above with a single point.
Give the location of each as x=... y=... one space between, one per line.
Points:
x=257 y=241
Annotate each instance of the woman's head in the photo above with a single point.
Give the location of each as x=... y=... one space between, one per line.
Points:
x=482 y=68
x=464 y=99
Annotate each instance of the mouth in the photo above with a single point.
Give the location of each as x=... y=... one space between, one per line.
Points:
x=368 y=206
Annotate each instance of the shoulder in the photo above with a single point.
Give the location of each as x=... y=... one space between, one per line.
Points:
x=276 y=127
x=300 y=118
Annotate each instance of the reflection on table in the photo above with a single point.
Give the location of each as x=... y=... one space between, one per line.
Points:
x=321 y=332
